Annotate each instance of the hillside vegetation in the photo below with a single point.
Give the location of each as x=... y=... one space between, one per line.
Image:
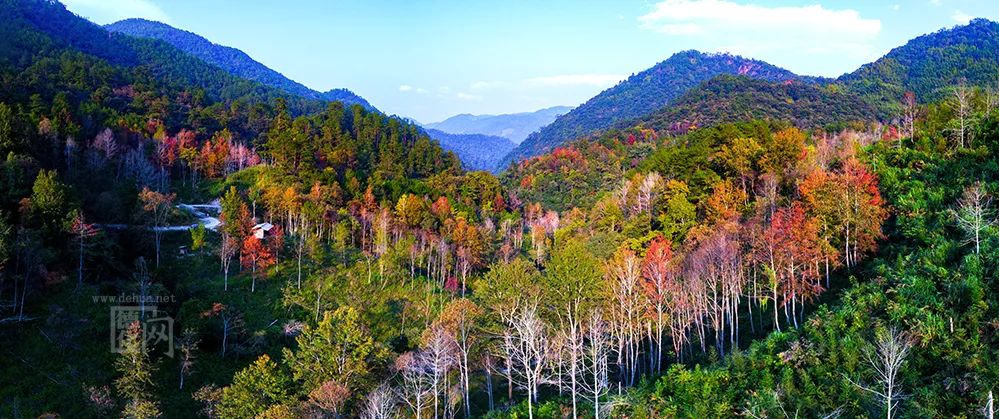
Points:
x=230 y=59
x=642 y=93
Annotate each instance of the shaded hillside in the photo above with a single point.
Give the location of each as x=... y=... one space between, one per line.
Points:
x=516 y=126
x=230 y=59
x=35 y=31
x=643 y=93
x=726 y=99
x=476 y=151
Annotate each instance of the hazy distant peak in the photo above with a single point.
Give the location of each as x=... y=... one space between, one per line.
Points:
x=515 y=126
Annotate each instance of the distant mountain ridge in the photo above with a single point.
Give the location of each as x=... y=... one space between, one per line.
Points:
x=515 y=126
x=230 y=59
x=476 y=151
x=643 y=93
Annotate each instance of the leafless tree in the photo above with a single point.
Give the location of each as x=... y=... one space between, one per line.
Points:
x=962 y=110
x=380 y=404
x=299 y=242
x=81 y=231
x=594 y=377
x=767 y=408
x=909 y=110
x=989 y=409
x=461 y=320
x=647 y=191
x=228 y=248
x=416 y=386
x=991 y=99
x=156 y=207
x=974 y=214
x=187 y=344
x=628 y=308
x=140 y=169
x=568 y=361
x=28 y=256
x=231 y=319
x=887 y=357
x=574 y=297
x=527 y=343
x=105 y=143
x=143 y=282
x=439 y=357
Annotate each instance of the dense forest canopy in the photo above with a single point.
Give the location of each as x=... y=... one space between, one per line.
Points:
x=789 y=251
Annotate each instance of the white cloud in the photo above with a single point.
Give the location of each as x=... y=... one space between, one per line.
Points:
x=755 y=28
x=935 y=2
x=467 y=96
x=896 y=7
x=961 y=17
x=108 y=11
x=408 y=88
x=597 y=80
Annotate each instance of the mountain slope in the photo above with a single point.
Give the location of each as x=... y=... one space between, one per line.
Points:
x=230 y=59
x=929 y=65
x=37 y=29
x=727 y=99
x=643 y=93
x=476 y=151
x=516 y=126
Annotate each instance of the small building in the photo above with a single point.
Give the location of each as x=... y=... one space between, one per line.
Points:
x=260 y=231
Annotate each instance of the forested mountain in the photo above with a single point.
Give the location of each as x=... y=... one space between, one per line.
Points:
x=929 y=66
x=515 y=126
x=38 y=35
x=726 y=99
x=230 y=59
x=643 y=93
x=476 y=151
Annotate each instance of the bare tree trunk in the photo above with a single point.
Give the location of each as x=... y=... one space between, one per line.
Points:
x=990 y=407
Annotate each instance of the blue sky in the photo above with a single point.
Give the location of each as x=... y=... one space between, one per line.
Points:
x=432 y=59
